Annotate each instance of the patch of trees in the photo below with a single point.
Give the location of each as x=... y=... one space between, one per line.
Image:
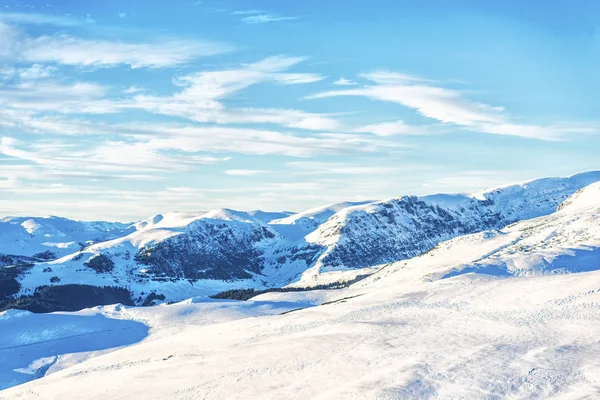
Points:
x=45 y=255
x=100 y=263
x=152 y=297
x=9 y=285
x=247 y=294
x=73 y=297
x=10 y=259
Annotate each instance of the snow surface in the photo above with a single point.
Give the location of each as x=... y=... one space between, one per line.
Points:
x=481 y=316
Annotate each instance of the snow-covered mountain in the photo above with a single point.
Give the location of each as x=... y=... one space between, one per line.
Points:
x=500 y=313
x=382 y=232
x=52 y=237
x=174 y=256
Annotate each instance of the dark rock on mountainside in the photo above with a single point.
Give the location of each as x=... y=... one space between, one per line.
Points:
x=207 y=251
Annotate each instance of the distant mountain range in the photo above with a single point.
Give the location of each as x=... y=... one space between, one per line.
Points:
x=173 y=256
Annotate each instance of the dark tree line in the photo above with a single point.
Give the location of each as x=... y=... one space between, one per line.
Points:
x=247 y=294
x=68 y=298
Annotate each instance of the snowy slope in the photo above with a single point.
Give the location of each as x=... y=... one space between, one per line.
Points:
x=563 y=242
x=268 y=216
x=42 y=344
x=481 y=316
x=295 y=227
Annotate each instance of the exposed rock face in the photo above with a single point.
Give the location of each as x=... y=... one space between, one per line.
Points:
x=208 y=250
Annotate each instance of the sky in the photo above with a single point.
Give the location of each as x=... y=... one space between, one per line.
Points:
x=118 y=110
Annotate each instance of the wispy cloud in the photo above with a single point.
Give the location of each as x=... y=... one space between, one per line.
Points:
x=41 y=19
x=265 y=18
x=68 y=50
x=10 y=37
x=200 y=98
x=245 y=172
x=340 y=168
x=217 y=139
x=66 y=98
x=449 y=107
x=65 y=49
x=115 y=158
x=32 y=72
x=36 y=71
x=260 y=17
x=247 y=12
x=396 y=128
x=344 y=82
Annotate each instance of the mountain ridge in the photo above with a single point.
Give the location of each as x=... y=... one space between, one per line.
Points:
x=180 y=255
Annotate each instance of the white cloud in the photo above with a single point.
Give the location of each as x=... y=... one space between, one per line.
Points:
x=265 y=18
x=36 y=71
x=394 y=128
x=294 y=79
x=260 y=17
x=40 y=19
x=274 y=63
x=289 y=118
x=338 y=168
x=9 y=37
x=247 y=12
x=447 y=106
x=122 y=15
x=68 y=50
x=110 y=158
x=393 y=78
x=444 y=105
x=45 y=95
x=199 y=100
x=245 y=172
x=344 y=82
x=133 y=90
x=250 y=141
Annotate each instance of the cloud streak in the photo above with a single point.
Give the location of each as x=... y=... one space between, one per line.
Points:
x=202 y=93
x=69 y=50
x=447 y=106
x=41 y=19
x=64 y=49
x=254 y=17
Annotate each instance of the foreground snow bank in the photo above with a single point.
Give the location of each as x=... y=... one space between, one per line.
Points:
x=36 y=345
x=31 y=344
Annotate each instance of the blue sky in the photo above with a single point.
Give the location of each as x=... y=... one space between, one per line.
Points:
x=123 y=109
